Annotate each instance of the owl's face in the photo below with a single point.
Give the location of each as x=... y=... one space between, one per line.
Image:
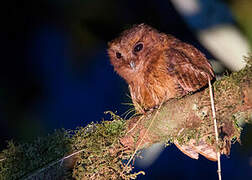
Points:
x=132 y=51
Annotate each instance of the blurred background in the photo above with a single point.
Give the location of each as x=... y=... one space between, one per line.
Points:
x=55 y=71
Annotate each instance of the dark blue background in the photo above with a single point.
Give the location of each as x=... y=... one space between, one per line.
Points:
x=56 y=73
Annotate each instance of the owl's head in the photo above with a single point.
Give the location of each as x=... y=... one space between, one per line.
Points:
x=134 y=48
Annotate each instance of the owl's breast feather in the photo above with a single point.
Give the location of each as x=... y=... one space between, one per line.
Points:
x=152 y=89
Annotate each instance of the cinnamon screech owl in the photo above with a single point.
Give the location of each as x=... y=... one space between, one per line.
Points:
x=158 y=67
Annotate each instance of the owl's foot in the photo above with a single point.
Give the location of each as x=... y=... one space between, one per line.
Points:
x=153 y=108
x=150 y=110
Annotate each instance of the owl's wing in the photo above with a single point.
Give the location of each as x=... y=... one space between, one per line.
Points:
x=189 y=66
x=192 y=71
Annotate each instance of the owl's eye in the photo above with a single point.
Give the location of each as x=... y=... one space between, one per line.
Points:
x=138 y=47
x=118 y=55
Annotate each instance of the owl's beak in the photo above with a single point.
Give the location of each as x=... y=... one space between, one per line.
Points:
x=132 y=65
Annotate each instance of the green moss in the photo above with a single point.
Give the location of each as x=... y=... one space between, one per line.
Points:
x=22 y=160
x=237 y=77
x=232 y=82
x=102 y=156
x=186 y=135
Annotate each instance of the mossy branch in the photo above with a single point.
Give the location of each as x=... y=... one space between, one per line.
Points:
x=104 y=148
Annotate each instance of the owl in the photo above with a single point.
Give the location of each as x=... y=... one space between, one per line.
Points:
x=157 y=66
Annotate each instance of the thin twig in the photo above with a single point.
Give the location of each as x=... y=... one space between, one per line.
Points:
x=134 y=125
x=215 y=127
x=53 y=163
x=70 y=155
x=144 y=135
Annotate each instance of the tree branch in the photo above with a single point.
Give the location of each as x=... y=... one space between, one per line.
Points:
x=190 y=117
